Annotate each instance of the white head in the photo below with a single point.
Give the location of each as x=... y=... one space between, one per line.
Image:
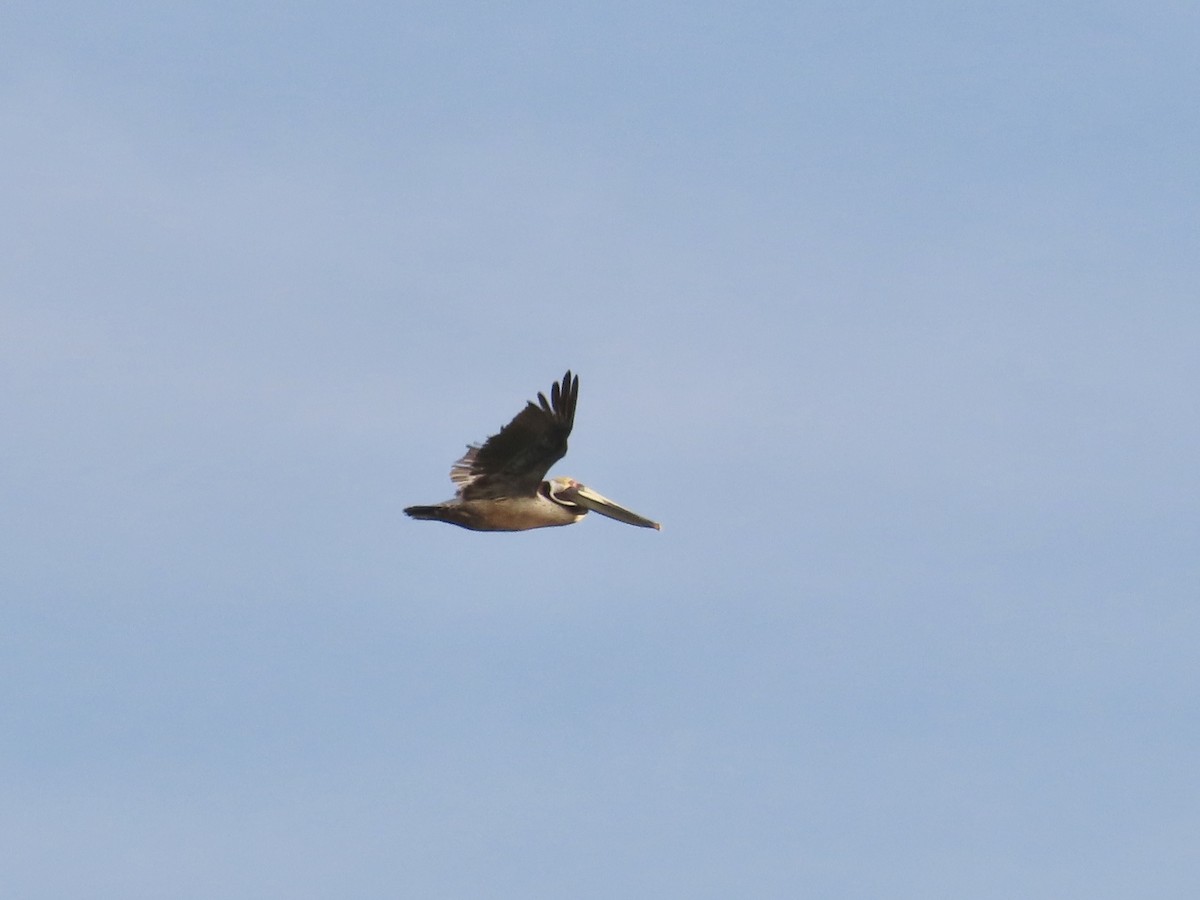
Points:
x=570 y=493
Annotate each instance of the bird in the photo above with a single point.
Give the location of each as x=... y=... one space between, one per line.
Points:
x=502 y=483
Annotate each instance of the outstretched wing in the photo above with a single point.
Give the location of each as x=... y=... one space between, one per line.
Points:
x=514 y=462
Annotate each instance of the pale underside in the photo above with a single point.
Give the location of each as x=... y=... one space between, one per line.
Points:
x=510 y=513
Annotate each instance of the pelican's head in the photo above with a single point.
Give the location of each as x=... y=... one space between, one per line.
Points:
x=569 y=492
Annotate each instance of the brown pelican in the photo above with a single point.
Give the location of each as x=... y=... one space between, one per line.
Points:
x=500 y=486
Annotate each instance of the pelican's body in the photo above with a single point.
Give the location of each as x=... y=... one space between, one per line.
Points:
x=500 y=484
x=501 y=513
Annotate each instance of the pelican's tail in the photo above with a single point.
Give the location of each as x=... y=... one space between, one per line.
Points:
x=445 y=512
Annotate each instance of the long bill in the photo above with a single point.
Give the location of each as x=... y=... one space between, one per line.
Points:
x=596 y=502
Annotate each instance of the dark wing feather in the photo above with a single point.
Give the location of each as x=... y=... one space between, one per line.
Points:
x=514 y=462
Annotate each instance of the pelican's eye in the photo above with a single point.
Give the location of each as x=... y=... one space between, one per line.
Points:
x=561 y=489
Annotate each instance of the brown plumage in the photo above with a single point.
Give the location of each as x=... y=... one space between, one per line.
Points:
x=513 y=462
x=501 y=486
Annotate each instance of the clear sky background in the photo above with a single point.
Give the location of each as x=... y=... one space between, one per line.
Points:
x=890 y=312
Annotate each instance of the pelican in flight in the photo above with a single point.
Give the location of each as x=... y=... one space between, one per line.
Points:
x=501 y=486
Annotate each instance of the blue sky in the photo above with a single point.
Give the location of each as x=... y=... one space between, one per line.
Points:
x=889 y=312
